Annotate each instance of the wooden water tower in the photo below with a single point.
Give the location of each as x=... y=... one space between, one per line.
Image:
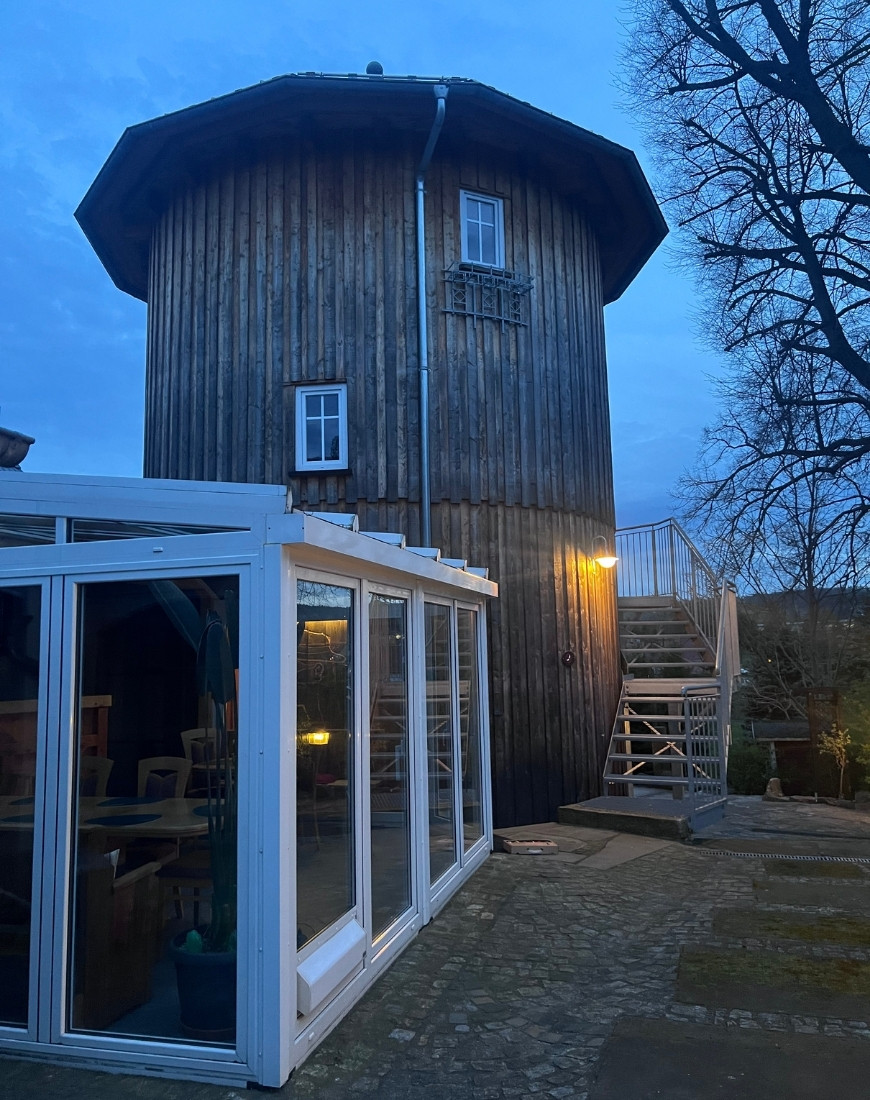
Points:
x=273 y=233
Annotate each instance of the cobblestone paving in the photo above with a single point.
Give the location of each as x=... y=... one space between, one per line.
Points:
x=514 y=989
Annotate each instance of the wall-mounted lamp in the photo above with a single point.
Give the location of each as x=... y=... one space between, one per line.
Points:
x=601 y=554
x=317 y=737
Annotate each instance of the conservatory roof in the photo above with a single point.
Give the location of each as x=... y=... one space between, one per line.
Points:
x=98 y=509
x=153 y=158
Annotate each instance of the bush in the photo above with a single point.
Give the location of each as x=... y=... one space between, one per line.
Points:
x=748 y=768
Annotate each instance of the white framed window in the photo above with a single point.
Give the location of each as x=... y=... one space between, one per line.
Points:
x=321 y=427
x=482 y=220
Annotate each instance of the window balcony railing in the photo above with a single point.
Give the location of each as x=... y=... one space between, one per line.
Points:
x=476 y=291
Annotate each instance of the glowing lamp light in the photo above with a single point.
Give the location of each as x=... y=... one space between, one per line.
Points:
x=601 y=554
x=317 y=737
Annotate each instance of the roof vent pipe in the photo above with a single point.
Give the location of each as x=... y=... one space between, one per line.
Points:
x=422 y=327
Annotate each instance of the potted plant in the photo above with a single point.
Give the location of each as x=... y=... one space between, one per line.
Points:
x=205 y=957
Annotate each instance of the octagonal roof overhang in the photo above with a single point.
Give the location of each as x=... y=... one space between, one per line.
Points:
x=154 y=158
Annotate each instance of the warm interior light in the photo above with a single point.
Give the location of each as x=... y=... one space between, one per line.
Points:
x=317 y=737
x=601 y=554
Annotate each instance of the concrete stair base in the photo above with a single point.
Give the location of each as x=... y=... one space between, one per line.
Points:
x=669 y=819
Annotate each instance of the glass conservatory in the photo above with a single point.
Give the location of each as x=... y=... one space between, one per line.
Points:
x=243 y=759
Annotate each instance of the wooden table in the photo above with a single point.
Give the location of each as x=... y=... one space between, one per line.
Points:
x=169 y=818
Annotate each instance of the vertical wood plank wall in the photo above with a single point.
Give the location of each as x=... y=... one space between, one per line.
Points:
x=298 y=266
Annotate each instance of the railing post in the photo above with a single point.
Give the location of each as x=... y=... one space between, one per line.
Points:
x=655 y=564
x=723 y=759
x=690 y=764
x=673 y=560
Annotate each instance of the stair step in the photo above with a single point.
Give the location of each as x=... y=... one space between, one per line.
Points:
x=648 y=780
x=663 y=649
x=682 y=637
x=669 y=688
x=675 y=621
x=671 y=664
x=676 y=737
x=646 y=758
x=633 y=717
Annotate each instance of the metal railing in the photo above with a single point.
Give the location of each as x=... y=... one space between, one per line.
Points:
x=704 y=744
x=727 y=657
x=659 y=559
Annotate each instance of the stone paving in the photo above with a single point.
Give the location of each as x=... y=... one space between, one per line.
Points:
x=516 y=988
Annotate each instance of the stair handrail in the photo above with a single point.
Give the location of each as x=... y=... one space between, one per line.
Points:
x=659 y=559
x=727 y=657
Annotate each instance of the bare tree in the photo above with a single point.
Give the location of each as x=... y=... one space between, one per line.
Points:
x=760 y=113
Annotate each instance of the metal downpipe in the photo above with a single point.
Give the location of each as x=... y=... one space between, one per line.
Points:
x=422 y=325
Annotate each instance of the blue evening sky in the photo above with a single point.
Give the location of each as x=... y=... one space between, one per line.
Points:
x=75 y=73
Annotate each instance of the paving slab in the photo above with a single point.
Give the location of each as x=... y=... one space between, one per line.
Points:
x=652 y=1059
x=819 y=895
x=620 y=849
x=773 y=981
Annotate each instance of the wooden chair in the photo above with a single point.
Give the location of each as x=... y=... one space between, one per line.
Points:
x=199 y=749
x=163 y=776
x=117 y=925
x=94 y=772
x=194 y=743
x=190 y=872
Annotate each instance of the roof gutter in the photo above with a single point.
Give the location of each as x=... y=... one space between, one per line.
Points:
x=422 y=325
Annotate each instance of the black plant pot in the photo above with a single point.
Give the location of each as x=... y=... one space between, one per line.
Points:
x=206 y=992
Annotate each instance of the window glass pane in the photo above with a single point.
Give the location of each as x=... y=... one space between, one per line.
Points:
x=469 y=726
x=19 y=691
x=330 y=404
x=325 y=879
x=314 y=441
x=100 y=530
x=333 y=444
x=26 y=530
x=389 y=777
x=439 y=736
x=153 y=907
x=474 y=242
x=488 y=253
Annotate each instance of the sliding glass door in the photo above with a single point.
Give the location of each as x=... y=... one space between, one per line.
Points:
x=326 y=837
x=389 y=761
x=152 y=902
x=22 y=698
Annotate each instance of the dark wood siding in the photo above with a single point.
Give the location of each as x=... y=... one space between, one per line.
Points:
x=298 y=266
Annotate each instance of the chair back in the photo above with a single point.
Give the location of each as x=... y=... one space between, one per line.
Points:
x=198 y=745
x=94 y=772
x=163 y=776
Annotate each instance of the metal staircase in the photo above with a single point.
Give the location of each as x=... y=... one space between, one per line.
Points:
x=666 y=762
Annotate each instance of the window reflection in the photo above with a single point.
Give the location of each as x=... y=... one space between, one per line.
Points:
x=26 y=530
x=19 y=690
x=389 y=773
x=155 y=842
x=439 y=738
x=325 y=877
x=469 y=726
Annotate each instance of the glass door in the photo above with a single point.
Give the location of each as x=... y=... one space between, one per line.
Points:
x=389 y=761
x=22 y=718
x=153 y=829
x=438 y=626
x=326 y=835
